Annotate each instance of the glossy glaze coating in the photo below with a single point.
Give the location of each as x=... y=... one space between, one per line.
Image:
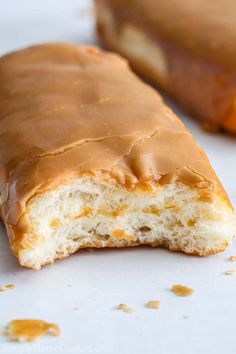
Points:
x=205 y=27
x=68 y=110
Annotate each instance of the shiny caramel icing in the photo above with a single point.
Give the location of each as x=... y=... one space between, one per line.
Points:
x=204 y=27
x=170 y=37
x=68 y=111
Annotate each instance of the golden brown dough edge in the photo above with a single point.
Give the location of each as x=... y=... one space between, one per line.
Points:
x=28 y=237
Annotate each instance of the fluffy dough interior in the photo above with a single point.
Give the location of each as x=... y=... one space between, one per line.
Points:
x=90 y=212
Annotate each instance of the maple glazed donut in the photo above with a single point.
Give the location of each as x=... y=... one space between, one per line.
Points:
x=90 y=156
x=185 y=47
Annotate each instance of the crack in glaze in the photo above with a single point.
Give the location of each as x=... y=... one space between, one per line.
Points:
x=80 y=143
x=136 y=143
x=197 y=173
x=73 y=146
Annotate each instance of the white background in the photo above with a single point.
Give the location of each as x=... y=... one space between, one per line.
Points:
x=96 y=282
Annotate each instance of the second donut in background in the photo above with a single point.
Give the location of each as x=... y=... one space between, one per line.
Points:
x=185 y=47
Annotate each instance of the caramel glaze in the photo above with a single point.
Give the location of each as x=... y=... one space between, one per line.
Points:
x=68 y=111
x=205 y=27
x=212 y=102
x=196 y=38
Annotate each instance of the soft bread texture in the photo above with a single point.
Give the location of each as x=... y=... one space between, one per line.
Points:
x=162 y=39
x=92 y=213
x=91 y=157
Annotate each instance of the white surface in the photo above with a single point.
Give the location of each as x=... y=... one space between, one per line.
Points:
x=97 y=281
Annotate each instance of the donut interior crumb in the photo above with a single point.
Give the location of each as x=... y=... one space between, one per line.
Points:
x=182 y=290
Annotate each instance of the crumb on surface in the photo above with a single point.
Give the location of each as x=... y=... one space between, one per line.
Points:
x=182 y=290
x=230 y=272
x=30 y=330
x=232 y=258
x=7 y=287
x=125 y=308
x=153 y=304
